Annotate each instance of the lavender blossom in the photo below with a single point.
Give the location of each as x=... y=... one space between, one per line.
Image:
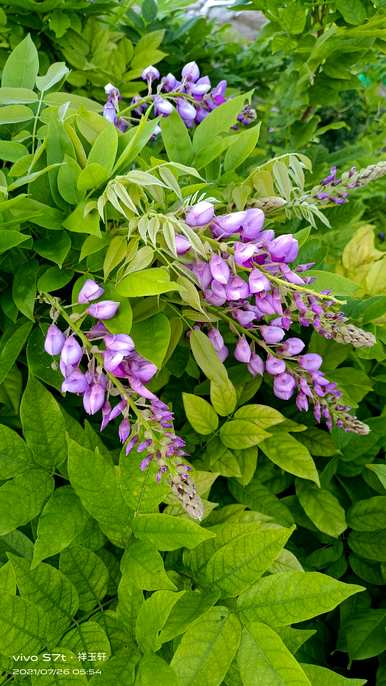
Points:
x=54 y=340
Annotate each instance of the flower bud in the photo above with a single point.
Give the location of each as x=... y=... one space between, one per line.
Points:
x=110 y=113
x=284 y=248
x=150 y=74
x=119 y=342
x=218 y=93
x=223 y=353
x=284 y=386
x=243 y=351
x=201 y=114
x=256 y=365
x=200 y=214
x=243 y=252
x=292 y=346
x=226 y=224
x=272 y=334
x=237 y=289
x=274 y=365
x=143 y=369
x=182 y=244
x=90 y=291
x=202 y=273
x=162 y=106
x=94 y=398
x=169 y=82
x=301 y=402
x=124 y=430
x=216 y=339
x=244 y=317
x=106 y=309
x=201 y=87
x=311 y=362
x=186 y=111
x=112 y=359
x=190 y=72
x=215 y=299
x=72 y=352
x=76 y=382
x=54 y=340
x=252 y=224
x=219 y=269
x=258 y=282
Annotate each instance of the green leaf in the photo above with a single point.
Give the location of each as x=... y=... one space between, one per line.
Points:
x=87 y=572
x=152 y=617
x=24 y=288
x=166 y=532
x=200 y=414
x=273 y=664
x=7 y=579
x=217 y=122
x=67 y=180
x=139 y=488
x=122 y=321
x=153 y=669
x=258 y=497
x=176 y=139
x=369 y=544
x=368 y=515
x=119 y=669
x=15 y=114
x=241 y=434
x=354 y=383
x=10 y=239
x=96 y=481
x=352 y=11
x=55 y=73
x=61 y=520
x=22 y=498
x=91 y=177
x=206 y=358
x=51 y=591
x=321 y=676
x=262 y=415
x=87 y=637
x=290 y=455
x=152 y=338
x=322 y=507
x=244 y=145
x=187 y=610
x=50 y=662
x=11 y=345
x=365 y=634
x=22 y=66
x=147 y=282
x=223 y=396
x=239 y=563
x=14 y=96
x=291 y=597
x=23 y=627
x=104 y=149
x=143 y=565
x=339 y=284
x=380 y=471
x=84 y=219
x=15 y=456
x=43 y=425
x=207 y=649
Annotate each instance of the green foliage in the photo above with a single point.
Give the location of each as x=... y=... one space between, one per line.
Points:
x=96 y=557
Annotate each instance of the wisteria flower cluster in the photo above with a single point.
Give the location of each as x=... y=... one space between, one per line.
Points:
x=109 y=374
x=192 y=96
x=249 y=281
x=336 y=189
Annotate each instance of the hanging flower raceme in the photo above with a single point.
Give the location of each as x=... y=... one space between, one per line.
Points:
x=250 y=278
x=192 y=96
x=111 y=376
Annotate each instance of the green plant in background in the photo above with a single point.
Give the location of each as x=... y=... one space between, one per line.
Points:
x=98 y=559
